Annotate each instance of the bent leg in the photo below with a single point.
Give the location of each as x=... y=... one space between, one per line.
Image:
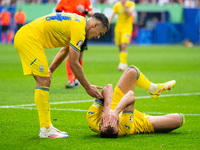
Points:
x=127 y=80
x=167 y=123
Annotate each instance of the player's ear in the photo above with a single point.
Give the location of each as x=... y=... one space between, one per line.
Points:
x=95 y=24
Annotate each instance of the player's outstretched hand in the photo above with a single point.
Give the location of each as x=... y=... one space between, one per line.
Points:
x=92 y=91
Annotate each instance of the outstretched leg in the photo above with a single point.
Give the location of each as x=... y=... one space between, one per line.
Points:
x=167 y=123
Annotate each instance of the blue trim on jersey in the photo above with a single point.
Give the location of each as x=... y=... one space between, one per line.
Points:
x=127 y=112
x=45 y=89
x=181 y=120
x=138 y=71
x=76 y=49
x=127 y=126
x=99 y=102
x=33 y=61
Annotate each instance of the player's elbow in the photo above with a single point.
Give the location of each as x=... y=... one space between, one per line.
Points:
x=131 y=96
x=109 y=86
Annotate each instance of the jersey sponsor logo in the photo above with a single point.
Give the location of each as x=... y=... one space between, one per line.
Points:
x=79 y=43
x=41 y=68
x=58 y=17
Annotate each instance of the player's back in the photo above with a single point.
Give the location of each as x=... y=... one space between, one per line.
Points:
x=56 y=29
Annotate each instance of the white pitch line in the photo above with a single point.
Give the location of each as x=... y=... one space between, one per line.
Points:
x=83 y=110
x=84 y=101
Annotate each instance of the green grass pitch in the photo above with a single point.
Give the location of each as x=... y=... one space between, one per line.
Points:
x=19 y=125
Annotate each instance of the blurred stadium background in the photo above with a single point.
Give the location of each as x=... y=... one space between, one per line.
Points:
x=156 y=21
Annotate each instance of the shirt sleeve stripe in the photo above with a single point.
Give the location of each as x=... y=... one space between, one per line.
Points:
x=76 y=49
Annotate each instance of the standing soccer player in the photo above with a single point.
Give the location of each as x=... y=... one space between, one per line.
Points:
x=20 y=18
x=83 y=8
x=5 y=17
x=123 y=29
x=56 y=30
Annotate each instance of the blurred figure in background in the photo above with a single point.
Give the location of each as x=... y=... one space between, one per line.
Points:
x=123 y=29
x=20 y=18
x=5 y=17
x=83 y=8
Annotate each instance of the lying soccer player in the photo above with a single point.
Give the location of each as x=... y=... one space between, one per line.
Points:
x=115 y=116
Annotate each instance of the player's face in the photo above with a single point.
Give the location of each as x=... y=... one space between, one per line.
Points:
x=123 y=1
x=96 y=32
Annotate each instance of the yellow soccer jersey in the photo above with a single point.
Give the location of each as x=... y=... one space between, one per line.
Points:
x=124 y=22
x=94 y=119
x=59 y=30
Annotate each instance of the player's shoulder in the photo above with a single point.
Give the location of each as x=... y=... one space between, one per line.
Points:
x=116 y=4
x=131 y=3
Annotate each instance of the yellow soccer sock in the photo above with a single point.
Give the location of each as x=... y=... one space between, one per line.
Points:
x=123 y=57
x=182 y=120
x=142 y=81
x=43 y=106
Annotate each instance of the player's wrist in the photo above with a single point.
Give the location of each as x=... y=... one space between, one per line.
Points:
x=85 y=11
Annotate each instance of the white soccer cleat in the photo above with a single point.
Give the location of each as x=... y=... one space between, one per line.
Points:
x=69 y=85
x=61 y=132
x=122 y=67
x=162 y=87
x=50 y=132
x=76 y=83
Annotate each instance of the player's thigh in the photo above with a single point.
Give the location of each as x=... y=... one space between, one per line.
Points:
x=32 y=55
x=117 y=38
x=117 y=96
x=125 y=37
x=141 y=123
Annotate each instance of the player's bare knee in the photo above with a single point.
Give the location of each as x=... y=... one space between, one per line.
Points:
x=43 y=81
x=131 y=71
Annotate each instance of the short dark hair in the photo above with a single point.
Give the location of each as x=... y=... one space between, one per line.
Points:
x=101 y=17
x=109 y=133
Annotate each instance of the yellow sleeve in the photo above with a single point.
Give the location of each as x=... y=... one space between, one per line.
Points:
x=77 y=38
x=115 y=8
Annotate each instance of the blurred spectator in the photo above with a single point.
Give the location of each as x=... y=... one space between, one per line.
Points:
x=5 y=17
x=111 y=1
x=20 y=18
x=5 y=2
x=163 y=2
x=142 y=19
x=151 y=23
x=190 y=3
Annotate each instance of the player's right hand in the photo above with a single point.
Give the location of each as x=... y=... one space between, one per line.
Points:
x=50 y=73
x=92 y=91
x=114 y=119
